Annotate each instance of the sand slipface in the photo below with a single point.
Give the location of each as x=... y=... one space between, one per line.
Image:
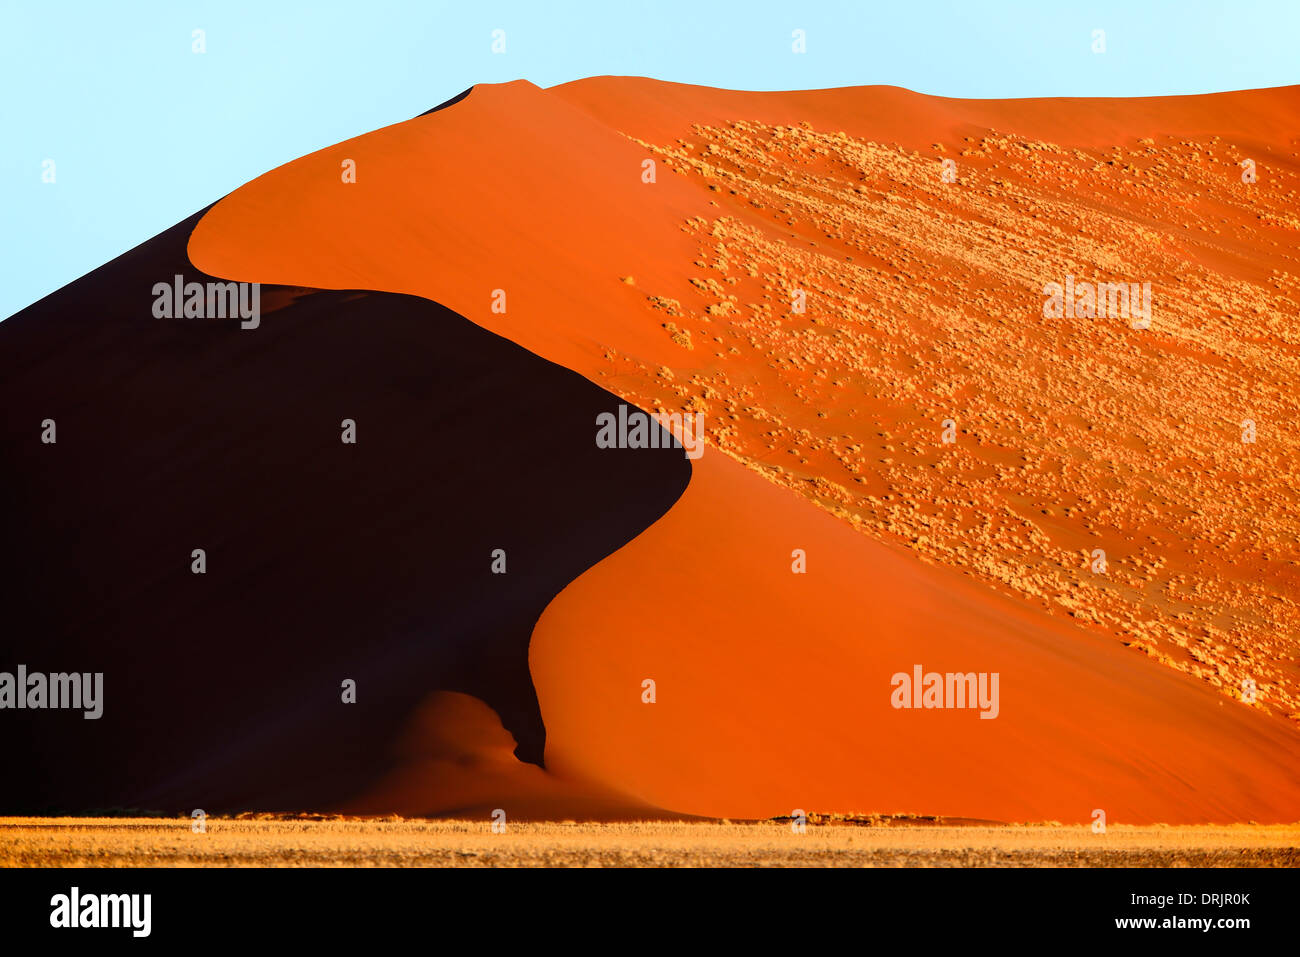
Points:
x=890 y=406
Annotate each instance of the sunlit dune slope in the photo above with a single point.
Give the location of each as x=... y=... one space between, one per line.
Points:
x=772 y=689
x=924 y=302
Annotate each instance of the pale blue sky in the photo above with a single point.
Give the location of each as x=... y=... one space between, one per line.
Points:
x=144 y=132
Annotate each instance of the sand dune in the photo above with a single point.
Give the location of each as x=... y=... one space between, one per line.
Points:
x=925 y=302
x=1121 y=689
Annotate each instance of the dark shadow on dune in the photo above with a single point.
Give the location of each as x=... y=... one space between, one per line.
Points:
x=446 y=103
x=325 y=561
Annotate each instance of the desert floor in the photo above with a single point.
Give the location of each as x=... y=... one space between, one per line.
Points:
x=317 y=842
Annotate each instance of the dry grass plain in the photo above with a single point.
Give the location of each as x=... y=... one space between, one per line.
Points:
x=267 y=841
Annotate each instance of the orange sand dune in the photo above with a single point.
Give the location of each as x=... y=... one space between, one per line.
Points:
x=924 y=302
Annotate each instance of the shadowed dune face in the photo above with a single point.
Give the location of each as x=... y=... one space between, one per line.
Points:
x=325 y=561
x=925 y=302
